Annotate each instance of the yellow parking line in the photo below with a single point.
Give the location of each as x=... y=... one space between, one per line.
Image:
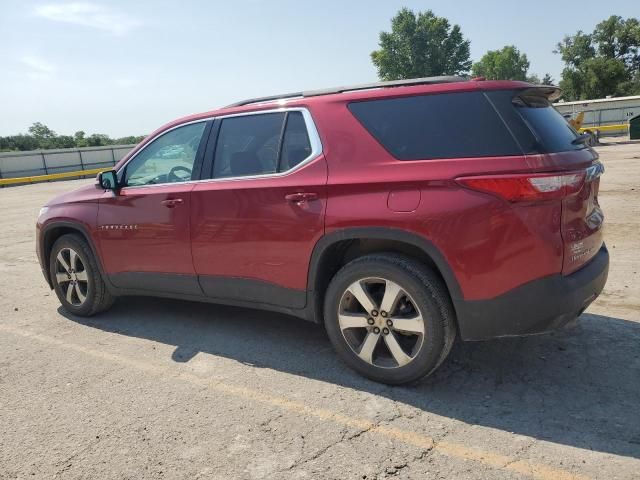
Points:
x=451 y=449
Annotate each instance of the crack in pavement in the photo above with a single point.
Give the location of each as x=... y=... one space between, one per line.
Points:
x=345 y=439
x=408 y=437
x=99 y=438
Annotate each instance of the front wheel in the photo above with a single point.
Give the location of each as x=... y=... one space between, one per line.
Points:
x=76 y=277
x=389 y=318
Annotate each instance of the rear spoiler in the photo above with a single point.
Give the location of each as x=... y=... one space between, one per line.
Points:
x=550 y=92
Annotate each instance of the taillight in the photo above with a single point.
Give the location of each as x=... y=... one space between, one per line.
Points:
x=527 y=187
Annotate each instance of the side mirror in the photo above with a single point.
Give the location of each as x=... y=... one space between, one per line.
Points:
x=107 y=180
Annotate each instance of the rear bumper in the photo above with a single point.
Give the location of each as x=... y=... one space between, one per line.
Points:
x=536 y=307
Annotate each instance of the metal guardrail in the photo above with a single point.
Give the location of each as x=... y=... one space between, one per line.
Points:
x=52 y=176
x=57 y=164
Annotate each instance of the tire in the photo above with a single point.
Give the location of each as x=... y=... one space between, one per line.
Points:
x=591 y=141
x=419 y=293
x=72 y=260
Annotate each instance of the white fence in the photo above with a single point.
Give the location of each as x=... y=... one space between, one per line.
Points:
x=45 y=162
x=603 y=111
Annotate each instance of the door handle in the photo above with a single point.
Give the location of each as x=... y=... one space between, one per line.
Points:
x=172 y=202
x=301 y=197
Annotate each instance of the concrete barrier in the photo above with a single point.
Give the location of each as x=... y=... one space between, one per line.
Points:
x=48 y=178
x=28 y=166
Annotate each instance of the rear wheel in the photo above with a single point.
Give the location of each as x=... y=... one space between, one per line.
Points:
x=76 y=277
x=389 y=317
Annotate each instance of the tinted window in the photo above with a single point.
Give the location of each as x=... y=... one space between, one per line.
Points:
x=248 y=145
x=503 y=102
x=295 y=144
x=167 y=159
x=436 y=126
x=261 y=144
x=555 y=134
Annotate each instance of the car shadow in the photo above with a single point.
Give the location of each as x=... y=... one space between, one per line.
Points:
x=577 y=387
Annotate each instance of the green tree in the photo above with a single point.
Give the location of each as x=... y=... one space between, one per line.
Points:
x=43 y=135
x=548 y=80
x=533 y=78
x=41 y=132
x=604 y=62
x=98 y=140
x=79 y=138
x=128 y=140
x=505 y=64
x=18 y=142
x=421 y=45
x=63 y=141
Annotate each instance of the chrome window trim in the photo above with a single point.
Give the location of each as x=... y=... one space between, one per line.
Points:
x=312 y=132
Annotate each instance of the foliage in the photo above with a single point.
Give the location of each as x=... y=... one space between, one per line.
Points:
x=533 y=78
x=421 y=45
x=41 y=137
x=41 y=132
x=604 y=62
x=505 y=64
x=547 y=80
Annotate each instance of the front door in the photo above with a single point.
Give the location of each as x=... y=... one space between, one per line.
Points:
x=144 y=227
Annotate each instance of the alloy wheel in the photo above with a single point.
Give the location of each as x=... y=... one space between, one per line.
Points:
x=71 y=276
x=381 y=322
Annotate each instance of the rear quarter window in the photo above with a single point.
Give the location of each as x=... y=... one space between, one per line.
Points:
x=436 y=126
x=535 y=123
x=552 y=129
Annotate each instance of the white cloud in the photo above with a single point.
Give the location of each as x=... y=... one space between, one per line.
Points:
x=88 y=15
x=37 y=67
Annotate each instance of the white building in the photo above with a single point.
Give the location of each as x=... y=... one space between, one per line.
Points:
x=603 y=111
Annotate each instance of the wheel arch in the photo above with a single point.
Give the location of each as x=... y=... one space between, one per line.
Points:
x=337 y=248
x=52 y=231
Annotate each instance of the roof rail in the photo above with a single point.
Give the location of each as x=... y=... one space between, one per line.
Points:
x=364 y=86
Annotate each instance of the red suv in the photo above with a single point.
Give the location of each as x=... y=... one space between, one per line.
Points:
x=399 y=214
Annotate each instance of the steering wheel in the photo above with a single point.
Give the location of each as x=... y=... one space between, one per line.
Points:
x=172 y=177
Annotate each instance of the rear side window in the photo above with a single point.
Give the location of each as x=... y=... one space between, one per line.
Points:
x=437 y=126
x=260 y=144
x=248 y=145
x=552 y=129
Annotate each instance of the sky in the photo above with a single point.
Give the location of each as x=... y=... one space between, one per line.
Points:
x=126 y=67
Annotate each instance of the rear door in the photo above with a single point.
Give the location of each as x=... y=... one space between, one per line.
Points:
x=255 y=222
x=144 y=227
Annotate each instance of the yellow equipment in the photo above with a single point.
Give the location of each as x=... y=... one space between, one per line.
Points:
x=577 y=122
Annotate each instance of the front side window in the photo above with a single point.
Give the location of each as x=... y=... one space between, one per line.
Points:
x=167 y=159
x=261 y=144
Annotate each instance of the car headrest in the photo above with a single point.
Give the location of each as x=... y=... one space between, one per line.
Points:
x=294 y=156
x=245 y=163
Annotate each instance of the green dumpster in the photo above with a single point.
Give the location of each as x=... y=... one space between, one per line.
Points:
x=634 y=128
